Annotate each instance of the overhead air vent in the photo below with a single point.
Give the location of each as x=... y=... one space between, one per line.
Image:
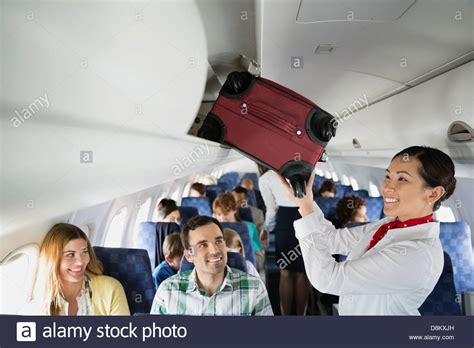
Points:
x=325 y=49
x=460 y=132
x=356 y=143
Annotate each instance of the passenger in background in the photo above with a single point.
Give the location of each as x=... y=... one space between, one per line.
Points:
x=351 y=209
x=70 y=280
x=281 y=213
x=225 y=210
x=327 y=189
x=197 y=190
x=212 y=287
x=248 y=185
x=234 y=244
x=240 y=195
x=168 y=211
x=173 y=251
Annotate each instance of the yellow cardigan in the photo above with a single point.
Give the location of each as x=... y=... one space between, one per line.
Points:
x=108 y=296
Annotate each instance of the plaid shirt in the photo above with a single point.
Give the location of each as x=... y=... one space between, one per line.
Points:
x=239 y=294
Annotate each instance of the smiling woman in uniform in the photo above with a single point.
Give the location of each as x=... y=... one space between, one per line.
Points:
x=393 y=264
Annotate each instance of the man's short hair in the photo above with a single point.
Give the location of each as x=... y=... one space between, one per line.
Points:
x=172 y=245
x=240 y=189
x=193 y=224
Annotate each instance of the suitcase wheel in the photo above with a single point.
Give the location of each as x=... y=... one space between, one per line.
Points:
x=212 y=129
x=298 y=173
x=237 y=83
x=298 y=184
x=321 y=126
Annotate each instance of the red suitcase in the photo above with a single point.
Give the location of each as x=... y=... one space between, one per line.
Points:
x=270 y=124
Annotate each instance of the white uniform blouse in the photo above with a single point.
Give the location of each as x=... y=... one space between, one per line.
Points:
x=274 y=195
x=393 y=278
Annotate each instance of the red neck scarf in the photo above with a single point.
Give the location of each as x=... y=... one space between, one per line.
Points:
x=383 y=230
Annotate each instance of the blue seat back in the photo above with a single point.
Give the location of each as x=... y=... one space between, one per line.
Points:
x=163 y=229
x=253 y=177
x=131 y=267
x=327 y=205
x=234 y=260
x=146 y=239
x=246 y=214
x=212 y=191
x=202 y=204
x=374 y=208
x=187 y=213
x=358 y=193
x=456 y=240
x=243 y=231
x=251 y=198
x=443 y=299
x=232 y=179
x=342 y=189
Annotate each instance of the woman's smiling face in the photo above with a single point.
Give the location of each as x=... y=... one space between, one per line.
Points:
x=404 y=190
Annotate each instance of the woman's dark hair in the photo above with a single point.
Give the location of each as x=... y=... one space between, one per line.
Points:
x=193 y=224
x=261 y=169
x=327 y=186
x=201 y=188
x=437 y=169
x=166 y=207
x=347 y=207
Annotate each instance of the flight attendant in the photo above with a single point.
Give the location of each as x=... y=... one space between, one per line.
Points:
x=392 y=265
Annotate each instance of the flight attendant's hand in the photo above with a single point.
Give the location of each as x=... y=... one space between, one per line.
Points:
x=306 y=203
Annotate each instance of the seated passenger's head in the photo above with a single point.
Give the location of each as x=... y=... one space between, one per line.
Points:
x=168 y=211
x=233 y=241
x=204 y=245
x=197 y=190
x=351 y=209
x=173 y=250
x=225 y=208
x=417 y=180
x=327 y=189
x=66 y=256
x=240 y=196
x=247 y=184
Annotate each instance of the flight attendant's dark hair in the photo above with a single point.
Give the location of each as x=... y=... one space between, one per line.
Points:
x=437 y=169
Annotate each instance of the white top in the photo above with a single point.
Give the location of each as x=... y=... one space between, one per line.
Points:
x=393 y=278
x=251 y=269
x=274 y=195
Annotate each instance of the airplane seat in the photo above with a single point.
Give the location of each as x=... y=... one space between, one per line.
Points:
x=443 y=298
x=131 y=267
x=327 y=206
x=246 y=214
x=318 y=181
x=243 y=231
x=456 y=240
x=253 y=177
x=151 y=236
x=202 y=204
x=342 y=189
x=224 y=185
x=187 y=213
x=232 y=179
x=146 y=239
x=212 y=191
x=374 y=208
x=234 y=260
x=251 y=198
x=358 y=193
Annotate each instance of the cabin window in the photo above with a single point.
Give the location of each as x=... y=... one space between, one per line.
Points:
x=142 y=214
x=116 y=229
x=354 y=183
x=444 y=214
x=334 y=176
x=373 y=190
x=319 y=172
x=155 y=208
x=327 y=174
x=86 y=229
x=345 y=180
